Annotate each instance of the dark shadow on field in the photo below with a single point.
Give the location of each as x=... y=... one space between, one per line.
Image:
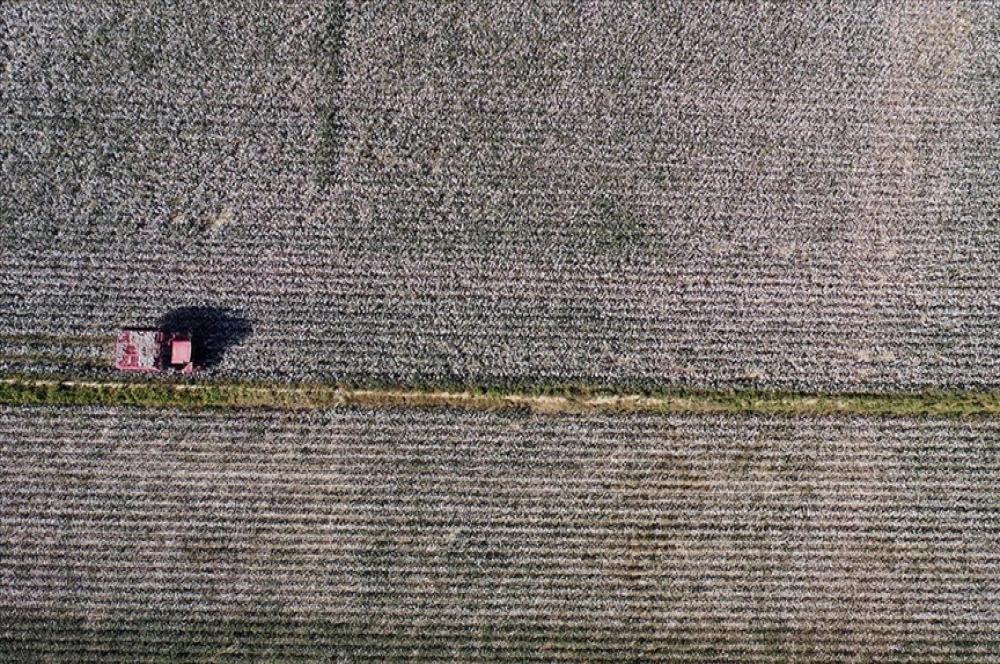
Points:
x=213 y=331
x=330 y=53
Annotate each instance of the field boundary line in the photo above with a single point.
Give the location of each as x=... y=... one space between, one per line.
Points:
x=20 y=390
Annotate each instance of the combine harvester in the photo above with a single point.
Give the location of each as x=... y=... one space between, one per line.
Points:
x=153 y=351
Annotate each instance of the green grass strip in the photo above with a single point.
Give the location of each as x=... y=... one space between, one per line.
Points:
x=25 y=391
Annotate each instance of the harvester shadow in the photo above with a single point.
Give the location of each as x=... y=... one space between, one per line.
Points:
x=213 y=331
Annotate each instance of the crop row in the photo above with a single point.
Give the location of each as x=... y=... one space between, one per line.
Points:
x=382 y=531
x=783 y=197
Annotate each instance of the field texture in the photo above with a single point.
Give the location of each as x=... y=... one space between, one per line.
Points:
x=776 y=195
x=380 y=534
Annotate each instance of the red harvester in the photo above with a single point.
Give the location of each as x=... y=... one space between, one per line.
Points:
x=151 y=350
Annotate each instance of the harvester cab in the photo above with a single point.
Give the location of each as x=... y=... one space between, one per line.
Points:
x=153 y=351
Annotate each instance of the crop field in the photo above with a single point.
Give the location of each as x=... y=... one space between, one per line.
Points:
x=416 y=534
x=772 y=195
x=555 y=330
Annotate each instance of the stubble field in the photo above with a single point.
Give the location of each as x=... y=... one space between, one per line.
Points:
x=410 y=535
x=753 y=194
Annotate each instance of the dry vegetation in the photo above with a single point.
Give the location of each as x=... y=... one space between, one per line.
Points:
x=234 y=395
x=515 y=196
x=380 y=534
x=772 y=195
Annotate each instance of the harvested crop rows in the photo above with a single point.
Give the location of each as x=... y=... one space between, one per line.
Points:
x=756 y=195
x=420 y=534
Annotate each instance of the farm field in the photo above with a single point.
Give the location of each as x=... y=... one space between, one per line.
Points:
x=419 y=534
x=763 y=210
x=763 y=195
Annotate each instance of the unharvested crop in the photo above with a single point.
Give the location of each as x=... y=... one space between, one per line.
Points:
x=769 y=195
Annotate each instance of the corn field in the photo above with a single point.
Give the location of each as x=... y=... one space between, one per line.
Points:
x=752 y=194
x=675 y=194
x=395 y=534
